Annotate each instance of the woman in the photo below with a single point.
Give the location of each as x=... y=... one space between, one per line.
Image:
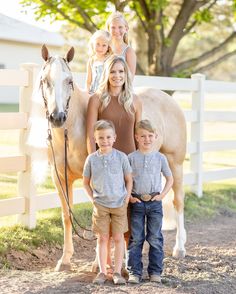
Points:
x=115 y=101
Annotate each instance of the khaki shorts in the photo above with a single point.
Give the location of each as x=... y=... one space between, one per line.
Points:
x=105 y=218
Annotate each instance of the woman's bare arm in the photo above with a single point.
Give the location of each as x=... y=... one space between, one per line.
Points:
x=88 y=76
x=131 y=61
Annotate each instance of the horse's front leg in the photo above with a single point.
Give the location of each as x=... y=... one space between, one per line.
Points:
x=64 y=263
x=179 y=248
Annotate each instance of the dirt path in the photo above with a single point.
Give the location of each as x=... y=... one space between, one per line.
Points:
x=209 y=267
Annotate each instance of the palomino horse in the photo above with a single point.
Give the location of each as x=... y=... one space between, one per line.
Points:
x=65 y=106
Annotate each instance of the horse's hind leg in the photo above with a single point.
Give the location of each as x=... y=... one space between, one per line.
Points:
x=177 y=171
x=64 y=262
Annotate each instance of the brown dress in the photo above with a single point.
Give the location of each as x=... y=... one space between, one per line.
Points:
x=124 y=125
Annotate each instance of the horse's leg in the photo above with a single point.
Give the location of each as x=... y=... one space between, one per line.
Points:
x=68 y=249
x=177 y=171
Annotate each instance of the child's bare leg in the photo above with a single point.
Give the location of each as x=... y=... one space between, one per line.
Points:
x=102 y=251
x=109 y=259
x=118 y=239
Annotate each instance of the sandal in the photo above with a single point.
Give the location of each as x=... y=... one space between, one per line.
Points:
x=118 y=279
x=100 y=279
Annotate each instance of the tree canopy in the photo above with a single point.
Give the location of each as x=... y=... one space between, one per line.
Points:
x=165 y=26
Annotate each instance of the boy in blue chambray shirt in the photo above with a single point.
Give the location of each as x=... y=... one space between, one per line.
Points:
x=146 y=204
x=107 y=179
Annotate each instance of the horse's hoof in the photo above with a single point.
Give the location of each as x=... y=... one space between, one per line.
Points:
x=179 y=253
x=94 y=268
x=63 y=267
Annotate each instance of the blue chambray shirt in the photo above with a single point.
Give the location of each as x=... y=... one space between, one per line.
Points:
x=107 y=177
x=147 y=170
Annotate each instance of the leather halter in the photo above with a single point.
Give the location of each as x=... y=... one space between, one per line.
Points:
x=71 y=83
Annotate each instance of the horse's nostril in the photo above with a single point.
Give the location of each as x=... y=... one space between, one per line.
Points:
x=62 y=116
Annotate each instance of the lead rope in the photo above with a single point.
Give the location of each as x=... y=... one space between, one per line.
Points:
x=66 y=193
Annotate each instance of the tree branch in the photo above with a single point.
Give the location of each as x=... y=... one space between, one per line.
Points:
x=214 y=63
x=120 y=5
x=145 y=9
x=194 y=61
x=140 y=18
x=188 y=29
x=88 y=23
x=176 y=33
x=65 y=16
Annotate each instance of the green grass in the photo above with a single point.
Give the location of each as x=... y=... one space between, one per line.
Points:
x=217 y=197
x=49 y=230
x=9 y=107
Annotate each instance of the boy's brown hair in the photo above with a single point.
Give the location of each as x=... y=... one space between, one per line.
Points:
x=145 y=124
x=103 y=125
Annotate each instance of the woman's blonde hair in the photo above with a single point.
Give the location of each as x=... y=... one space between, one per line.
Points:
x=100 y=34
x=126 y=96
x=120 y=16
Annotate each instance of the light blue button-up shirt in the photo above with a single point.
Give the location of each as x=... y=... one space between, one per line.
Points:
x=107 y=177
x=147 y=171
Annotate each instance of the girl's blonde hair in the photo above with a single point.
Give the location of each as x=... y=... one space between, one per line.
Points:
x=120 y=16
x=100 y=34
x=126 y=96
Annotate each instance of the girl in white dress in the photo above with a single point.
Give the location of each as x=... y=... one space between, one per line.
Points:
x=99 y=50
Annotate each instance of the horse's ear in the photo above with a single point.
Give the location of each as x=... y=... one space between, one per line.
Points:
x=45 y=53
x=70 y=54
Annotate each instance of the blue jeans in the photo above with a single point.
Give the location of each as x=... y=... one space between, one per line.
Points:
x=151 y=212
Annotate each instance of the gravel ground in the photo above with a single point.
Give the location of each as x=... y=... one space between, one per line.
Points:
x=209 y=266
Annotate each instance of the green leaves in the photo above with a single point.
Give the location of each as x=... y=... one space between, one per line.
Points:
x=204 y=15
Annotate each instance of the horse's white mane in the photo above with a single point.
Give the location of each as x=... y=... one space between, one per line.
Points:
x=37 y=135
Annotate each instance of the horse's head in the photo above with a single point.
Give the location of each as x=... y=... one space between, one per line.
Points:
x=56 y=86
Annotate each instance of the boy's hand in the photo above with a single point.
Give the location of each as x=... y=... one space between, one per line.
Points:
x=127 y=199
x=158 y=197
x=134 y=200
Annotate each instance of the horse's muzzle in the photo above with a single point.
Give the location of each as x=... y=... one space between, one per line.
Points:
x=57 y=119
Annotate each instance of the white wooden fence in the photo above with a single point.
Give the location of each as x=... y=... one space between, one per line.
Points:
x=27 y=202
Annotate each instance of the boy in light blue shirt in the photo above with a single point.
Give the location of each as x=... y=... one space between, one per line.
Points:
x=146 y=204
x=107 y=180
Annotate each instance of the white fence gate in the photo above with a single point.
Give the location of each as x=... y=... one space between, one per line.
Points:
x=27 y=202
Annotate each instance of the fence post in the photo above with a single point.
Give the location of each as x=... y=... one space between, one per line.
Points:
x=26 y=186
x=196 y=159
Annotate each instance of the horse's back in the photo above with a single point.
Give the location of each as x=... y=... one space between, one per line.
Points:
x=168 y=118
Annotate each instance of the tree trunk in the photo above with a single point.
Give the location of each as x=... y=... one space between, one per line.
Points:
x=154 y=51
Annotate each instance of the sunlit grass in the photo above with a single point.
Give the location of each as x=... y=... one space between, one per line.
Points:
x=217 y=197
x=49 y=230
x=9 y=107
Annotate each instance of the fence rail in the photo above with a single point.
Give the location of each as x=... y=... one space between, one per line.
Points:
x=27 y=202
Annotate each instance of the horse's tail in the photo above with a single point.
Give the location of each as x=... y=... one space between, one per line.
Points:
x=36 y=141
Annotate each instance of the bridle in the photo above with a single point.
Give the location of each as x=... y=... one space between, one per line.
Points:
x=65 y=191
x=71 y=83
